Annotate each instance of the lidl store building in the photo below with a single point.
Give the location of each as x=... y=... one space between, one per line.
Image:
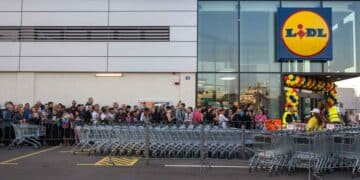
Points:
x=214 y=53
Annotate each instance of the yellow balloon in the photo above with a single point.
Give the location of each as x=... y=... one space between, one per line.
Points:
x=291 y=77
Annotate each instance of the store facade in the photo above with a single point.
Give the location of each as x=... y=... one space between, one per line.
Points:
x=237 y=51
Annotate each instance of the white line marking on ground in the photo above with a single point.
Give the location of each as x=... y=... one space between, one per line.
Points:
x=10 y=161
x=205 y=166
x=65 y=151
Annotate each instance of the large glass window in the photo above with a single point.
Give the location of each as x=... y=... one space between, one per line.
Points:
x=302 y=66
x=236 y=50
x=346 y=36
x=217 y=89
x=257 y=36
x=218 y=36
x=301 y=4
x=263 y=90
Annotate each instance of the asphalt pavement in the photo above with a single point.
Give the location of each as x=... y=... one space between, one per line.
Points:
x=59 y=163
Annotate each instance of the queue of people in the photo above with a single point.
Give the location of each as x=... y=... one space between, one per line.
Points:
x=61 y=121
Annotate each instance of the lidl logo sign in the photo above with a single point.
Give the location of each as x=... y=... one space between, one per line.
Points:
x=304 y=34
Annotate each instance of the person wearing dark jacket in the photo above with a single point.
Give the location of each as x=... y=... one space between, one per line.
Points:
x=248 y=120
x=120 y=116
x=18 y=115
x=27 y=111
x=84 y=115
x=34 y=117
x=156 y=115
x=209 y=116
x=73 y=107
x=8 y=115
x=1 y=128
x=238 y=118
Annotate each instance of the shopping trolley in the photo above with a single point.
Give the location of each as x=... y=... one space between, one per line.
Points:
x=310 y=151
x=271 y=151
x=346 y=148
x=27 y=134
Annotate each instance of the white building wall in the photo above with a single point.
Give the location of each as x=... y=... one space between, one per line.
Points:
x=65 y=5
x=62 y=71
x=348 y=97
x=10 y=5
x=177 y=55
x=129 y=89
x=158 y=5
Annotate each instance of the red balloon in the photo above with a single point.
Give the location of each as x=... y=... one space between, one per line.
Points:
x=302 y=80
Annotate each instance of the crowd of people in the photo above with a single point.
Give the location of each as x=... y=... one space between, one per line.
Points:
x=318 y=118
x=61 y=121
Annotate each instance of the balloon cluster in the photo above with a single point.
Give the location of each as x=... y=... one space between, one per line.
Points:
x=292 y=99
x=308 y=83
x=295 y=81
x=331 y=97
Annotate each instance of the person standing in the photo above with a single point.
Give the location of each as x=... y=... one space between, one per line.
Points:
x=89 y=102
x=333 y=115
x=223 y=120
x=315 y=122
x=239 y=118
x=1 y=129
x=95 y=114
x=288 y=117
x=189 y=117
x=27 y=111
x=34 y=117
x=66 y=119
x=146 y=116
x=18 y=115
x=7 y=115
x=197 y=116
x=169 y=115
x=73 y=107
x=248 y=120
x=260 y=119
x=180 y=113
x=156 y=115
x=352 y=118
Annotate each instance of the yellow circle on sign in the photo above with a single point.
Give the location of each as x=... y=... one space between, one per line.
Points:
x=305 y=33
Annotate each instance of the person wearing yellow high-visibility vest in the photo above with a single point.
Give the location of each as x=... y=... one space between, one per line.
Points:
x=288 y=117
x=315 y=122
x=333 y=114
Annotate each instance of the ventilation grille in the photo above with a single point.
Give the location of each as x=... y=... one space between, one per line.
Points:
x=75 y=33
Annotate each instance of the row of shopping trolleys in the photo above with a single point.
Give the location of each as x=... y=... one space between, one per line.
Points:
x=317 y=152
x=164 y=141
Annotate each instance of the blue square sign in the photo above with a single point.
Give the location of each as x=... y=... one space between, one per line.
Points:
x=304 y=34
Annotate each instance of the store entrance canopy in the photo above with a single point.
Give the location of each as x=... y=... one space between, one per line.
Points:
x=329 y=77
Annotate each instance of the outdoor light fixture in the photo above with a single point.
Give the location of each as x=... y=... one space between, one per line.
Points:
x=328 y=76
x=109 y=75
x=227 y=78
x=201 y=80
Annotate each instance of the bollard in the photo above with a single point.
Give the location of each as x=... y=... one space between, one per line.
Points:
x=202 y=144
x=147 y=144
x=243 y=146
